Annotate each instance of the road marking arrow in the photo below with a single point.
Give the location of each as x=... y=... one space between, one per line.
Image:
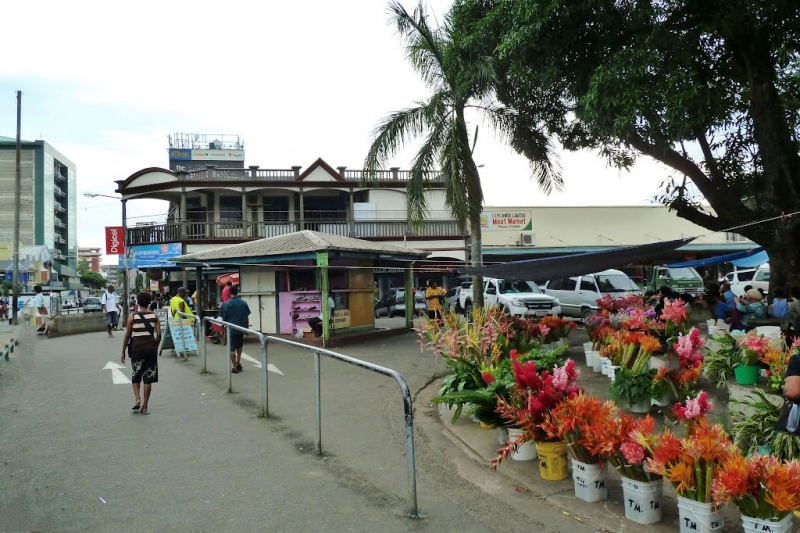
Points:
x=256 y=363
x=117 y=377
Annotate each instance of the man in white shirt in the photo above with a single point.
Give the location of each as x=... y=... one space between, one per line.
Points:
x=37 y=303
x=111 y=307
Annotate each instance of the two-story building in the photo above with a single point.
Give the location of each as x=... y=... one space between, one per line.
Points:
x=213 y=207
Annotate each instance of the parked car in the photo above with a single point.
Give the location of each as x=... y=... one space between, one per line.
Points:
x=579 y=295
x=69 y=303
x=92 y=305
x=393 y=303
x=757 y=277
x=451 y=298
x=518 y=298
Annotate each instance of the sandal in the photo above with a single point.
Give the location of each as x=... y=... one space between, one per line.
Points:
x=136 y=407
x=234 y=370
x=239 y=368
x=145 y=412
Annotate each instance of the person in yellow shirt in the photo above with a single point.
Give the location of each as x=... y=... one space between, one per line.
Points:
x=179 y=303
x=433 y=297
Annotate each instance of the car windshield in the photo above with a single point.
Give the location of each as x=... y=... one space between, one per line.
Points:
x=511 y=287
x=419 y=297
x=684 y=274
x=92 y=300
x=615 y=283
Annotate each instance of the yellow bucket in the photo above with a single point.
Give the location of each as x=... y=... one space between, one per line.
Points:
x=552 y=460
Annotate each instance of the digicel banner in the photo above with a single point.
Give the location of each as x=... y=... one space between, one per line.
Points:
x=115 y=244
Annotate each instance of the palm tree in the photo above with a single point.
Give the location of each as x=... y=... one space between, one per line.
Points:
x=460 y=79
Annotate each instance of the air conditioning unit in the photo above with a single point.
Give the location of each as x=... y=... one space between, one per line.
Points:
x=528 y=239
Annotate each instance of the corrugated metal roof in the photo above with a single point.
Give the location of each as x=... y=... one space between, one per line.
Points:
x=299 y=242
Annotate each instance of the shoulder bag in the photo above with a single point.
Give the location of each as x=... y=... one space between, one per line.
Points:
x=147 y=325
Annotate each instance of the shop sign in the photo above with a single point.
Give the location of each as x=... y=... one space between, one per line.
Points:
x=341 y=319
x=507 y=220
x=387 y=270
x=115 y=245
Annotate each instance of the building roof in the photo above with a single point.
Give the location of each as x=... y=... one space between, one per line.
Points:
x=300 y=242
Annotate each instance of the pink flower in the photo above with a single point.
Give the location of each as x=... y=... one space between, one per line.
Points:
x=544 y=330
x=694 y=408
x=633 y=452
x=674 y=310
x=754 y=342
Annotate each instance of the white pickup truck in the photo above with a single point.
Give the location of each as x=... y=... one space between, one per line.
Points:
x=520 y=299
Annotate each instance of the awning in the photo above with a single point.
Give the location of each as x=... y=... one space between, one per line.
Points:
x=225 y=278
x=576 y=264
x=746 y=259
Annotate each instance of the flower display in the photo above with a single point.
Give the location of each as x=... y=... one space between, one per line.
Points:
x=578 y=421
x=691 y=464
x=761 y=486
x=753 y=347
x=693 y=408
x=674 y=317
x=532 y=398
x=629 y=446
x=777 y=358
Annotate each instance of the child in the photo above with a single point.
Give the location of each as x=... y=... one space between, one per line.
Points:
x=779 y=307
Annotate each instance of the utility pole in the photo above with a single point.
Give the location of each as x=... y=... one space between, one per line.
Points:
x=126 y=297
x=17 y=200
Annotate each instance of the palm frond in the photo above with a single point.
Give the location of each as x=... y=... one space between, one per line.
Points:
x=424 y=162
x=393 y=132
x=424 y=45
x=526 y=137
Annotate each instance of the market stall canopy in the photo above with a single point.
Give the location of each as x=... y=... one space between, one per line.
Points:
x=225 y=278
x=299 y=245
x=747 y=259
x=564 y=266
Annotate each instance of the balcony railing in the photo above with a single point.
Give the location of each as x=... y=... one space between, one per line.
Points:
x=243 y=230
x=57 y=223
x=59 y=176
x=58 y=190
x=291 y=174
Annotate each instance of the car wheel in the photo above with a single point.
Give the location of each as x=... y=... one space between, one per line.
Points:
x=468 y=312
x=586 y=314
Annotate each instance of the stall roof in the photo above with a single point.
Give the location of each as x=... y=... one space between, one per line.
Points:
x=575 y=264
x=301 y=242
x=747 y=259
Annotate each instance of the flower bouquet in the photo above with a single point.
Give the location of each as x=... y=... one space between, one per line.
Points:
x=531 y=399
x=578 y=421
x=752 y=348
x=690 y=410
x=777 y=358
x=764 y=489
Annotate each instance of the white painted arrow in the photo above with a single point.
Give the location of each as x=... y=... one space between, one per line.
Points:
x=256 y=363
x=117 y=377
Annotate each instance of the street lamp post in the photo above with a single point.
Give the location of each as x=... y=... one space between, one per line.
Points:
x=125 y=298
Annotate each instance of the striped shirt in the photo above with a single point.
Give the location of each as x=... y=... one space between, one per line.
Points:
x=142 y=340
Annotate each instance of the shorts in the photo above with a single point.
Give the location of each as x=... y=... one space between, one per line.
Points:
x=112 y=318
x=237 y=341
x=145 y=367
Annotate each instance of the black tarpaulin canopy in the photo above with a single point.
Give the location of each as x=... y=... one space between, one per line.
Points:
x=564 y=266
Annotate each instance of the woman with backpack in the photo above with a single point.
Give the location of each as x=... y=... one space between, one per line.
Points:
x=142 y=338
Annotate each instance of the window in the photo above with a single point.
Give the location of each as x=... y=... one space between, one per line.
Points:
x=587 y=284
x=569 y=284
x=491 y=285
x=230 y=208
x=615 y=283
x=512 y=287
x=554 y=285
x=276 y=208
x=762 y=275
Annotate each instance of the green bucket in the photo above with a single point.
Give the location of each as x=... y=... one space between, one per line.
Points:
x=747 y=375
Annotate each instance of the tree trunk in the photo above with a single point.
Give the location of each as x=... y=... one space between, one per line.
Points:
x=784 y=265
x=476 y=260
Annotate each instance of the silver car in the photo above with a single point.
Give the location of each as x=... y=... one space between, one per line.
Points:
x=393 y=303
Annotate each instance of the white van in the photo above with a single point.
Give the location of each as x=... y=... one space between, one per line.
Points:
x=758 y=278
x=579 y=295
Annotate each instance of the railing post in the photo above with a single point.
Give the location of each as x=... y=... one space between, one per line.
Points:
x=203 y=348
x=264 y=380
x=395 y=171
x=317 y=405
x=228 y=357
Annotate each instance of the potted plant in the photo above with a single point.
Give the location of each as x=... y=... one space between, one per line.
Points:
x=628 y=448
x=692 y=465
x=751 y=348
x=719 y=363
x=633 y=390
x=578 y=421
x=531 y=399
x=765 y=490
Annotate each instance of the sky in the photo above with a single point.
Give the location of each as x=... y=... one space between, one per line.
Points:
x=106 y=82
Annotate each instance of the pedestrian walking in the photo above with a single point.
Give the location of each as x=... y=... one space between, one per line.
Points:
x=37 y=302
x=142 y=336
x=236 y=311
x=111 y=309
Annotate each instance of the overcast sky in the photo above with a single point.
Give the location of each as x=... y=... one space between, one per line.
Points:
x=106 y=82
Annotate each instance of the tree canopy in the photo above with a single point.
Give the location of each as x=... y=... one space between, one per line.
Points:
x=710 y=89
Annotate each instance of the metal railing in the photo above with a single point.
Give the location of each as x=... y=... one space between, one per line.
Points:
x=408 y=407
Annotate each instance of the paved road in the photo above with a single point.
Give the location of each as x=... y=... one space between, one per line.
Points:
x=74 y=457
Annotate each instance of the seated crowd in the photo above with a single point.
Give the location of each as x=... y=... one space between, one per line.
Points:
x=741 y=312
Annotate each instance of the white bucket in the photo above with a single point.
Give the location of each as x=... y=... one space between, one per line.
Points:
x=641 y=408
x=712 y=331
x=596 y=364
x=502 y=435
x=590 y=358
x=587 y=347
x=613 y=370
x=643 y=500
x=711 y=322
x=665 y=400
x=696 y=517
x=723 y=326
x=526 y=451
x=590 y=481
x=769 y=332
x=605 y=363
x=766 y=526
